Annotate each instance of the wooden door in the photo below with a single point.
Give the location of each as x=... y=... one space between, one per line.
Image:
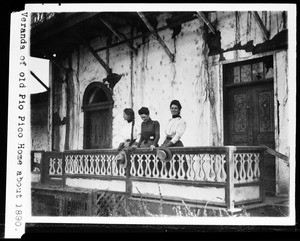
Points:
x=98 y=131
x=97 y=107
x=249 y=115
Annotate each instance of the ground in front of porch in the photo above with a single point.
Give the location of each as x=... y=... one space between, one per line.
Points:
x=58 y=201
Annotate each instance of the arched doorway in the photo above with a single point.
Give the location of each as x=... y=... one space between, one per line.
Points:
x=97 y=107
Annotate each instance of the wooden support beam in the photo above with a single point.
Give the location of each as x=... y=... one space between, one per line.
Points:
x=119 y=35
x=64 y=69
x=105 y=66
x=190 y=18
x=261 y=25
x=152 y=30
x=39 y=80
x=201 y=16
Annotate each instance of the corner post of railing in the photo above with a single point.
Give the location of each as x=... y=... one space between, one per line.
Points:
x=45 y=167
x=32 y=160
x=127 y=174
x=230 y=177
x=63 y=171
x=262 y=173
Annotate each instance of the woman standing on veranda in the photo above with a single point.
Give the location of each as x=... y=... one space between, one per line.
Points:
x=175 y=127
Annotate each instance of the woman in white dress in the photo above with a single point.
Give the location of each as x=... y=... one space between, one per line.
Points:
x=175 y=127
x=129 y=132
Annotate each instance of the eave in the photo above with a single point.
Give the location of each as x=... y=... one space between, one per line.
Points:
x=55 y=36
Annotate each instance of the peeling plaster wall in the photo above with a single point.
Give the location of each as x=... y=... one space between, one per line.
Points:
x=150 y=78
x=242 y=27
x=282 y=133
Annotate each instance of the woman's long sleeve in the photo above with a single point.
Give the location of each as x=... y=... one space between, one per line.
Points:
x=157 y=133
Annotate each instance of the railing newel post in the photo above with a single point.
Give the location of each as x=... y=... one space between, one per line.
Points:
x=63 y=165
x=45 y=167
x=262 y=174
x=230 y=178
x=127 y=174
x=40 y=164
x=32 y=160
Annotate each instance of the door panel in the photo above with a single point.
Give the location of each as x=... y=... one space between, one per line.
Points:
x=239 y=125
x=264 y=129
x=264 y=115
x=98 y=131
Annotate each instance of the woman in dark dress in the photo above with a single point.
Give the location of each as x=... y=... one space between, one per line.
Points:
x=150 y=132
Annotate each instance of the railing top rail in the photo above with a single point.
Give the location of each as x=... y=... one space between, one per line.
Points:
x=37 y=151
x=54 y=152
x=249 y=148
x=91 y=151
x=175 y=150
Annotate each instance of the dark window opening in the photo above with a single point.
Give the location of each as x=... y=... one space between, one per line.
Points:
x=97 y=95
x=249 y=71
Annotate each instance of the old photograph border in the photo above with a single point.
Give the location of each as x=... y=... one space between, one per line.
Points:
x=18 y=188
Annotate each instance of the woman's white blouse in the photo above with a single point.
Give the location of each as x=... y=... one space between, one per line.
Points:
x=175 y=129
x=125 y=132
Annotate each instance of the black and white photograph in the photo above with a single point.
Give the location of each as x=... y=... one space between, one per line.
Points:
x=161 y=114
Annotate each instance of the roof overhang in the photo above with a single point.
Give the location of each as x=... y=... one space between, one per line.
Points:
x=54 y=36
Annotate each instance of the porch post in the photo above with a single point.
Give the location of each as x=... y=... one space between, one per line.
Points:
x=262 y=174
x=127 y=173
x=32 y=161
x=45 y=167
x=230 y=178
x=63 y=167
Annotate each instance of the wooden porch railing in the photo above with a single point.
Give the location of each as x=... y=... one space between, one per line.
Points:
x=227 y=173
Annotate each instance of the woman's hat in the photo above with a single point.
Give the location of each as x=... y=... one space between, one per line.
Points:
x=121 y=158
x=164 y=154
